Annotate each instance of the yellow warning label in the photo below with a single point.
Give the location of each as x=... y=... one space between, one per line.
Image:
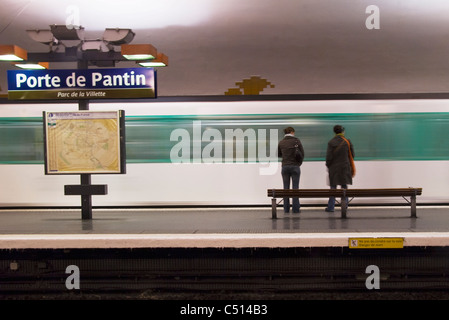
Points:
x=376 y=243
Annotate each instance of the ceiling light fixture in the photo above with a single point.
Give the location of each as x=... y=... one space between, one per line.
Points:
x=42 y=36
x=97 y=45
x=116 y=36
x=160 y=61
x=33 y=66
x=74 y=47
x=138 y=51
x=12 y=53
x=61 y=32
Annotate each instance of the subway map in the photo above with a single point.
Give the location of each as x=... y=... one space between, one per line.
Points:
x=82 y=142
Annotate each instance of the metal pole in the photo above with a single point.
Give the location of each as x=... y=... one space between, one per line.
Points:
x=273 y=209
x=344 y=204
x=86 y=199
x=413 y=206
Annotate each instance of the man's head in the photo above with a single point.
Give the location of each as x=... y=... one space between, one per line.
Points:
x=289 y=130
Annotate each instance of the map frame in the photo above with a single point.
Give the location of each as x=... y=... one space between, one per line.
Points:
x=57 y=120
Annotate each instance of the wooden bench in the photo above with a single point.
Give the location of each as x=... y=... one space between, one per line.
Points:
x=343 y=194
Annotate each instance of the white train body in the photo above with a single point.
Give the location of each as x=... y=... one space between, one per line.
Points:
x=224 y=152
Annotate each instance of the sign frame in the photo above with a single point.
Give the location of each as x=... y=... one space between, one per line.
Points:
x=52 y=146
x=82 y=84
x=376 y=243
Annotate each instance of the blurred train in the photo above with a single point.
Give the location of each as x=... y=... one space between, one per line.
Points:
x=187 y=152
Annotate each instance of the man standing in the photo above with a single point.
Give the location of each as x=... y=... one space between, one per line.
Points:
x=291 y=151
x=340 y=163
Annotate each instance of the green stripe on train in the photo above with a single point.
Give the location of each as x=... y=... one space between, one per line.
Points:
x=250 y=138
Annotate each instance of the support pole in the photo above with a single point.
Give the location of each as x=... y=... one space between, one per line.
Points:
x=344 y=204
x=86 y=199
x=413 y=206
x=273 y=208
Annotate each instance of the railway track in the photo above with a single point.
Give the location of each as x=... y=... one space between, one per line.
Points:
x=252 y=272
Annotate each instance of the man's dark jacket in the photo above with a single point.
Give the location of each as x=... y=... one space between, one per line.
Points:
x=286 y=150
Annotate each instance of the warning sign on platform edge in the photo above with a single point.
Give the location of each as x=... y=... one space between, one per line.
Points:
x=376 y=243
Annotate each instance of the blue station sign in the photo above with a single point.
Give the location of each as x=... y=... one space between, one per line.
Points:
x=79 y=84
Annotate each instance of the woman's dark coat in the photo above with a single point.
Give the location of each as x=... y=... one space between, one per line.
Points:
x=337 y=161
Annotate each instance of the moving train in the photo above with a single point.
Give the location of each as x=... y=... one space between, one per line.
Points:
x=223 y=151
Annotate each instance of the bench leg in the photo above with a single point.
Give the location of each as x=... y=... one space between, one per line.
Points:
x=344 y=207
x=273 y=208
x=413 y=206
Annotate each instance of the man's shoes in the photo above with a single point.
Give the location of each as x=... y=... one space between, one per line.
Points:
x=297 y=211
x=328 y=210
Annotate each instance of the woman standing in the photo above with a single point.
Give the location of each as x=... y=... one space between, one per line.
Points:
x=340 y=163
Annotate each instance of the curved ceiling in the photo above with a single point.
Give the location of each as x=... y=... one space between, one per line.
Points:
x=300 y=46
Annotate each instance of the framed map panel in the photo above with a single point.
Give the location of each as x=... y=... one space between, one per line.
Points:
x=81 y=142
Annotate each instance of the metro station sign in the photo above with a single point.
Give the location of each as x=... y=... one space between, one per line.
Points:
x=79 y=84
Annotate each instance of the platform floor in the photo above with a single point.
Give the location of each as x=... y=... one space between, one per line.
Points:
x=218 y=227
